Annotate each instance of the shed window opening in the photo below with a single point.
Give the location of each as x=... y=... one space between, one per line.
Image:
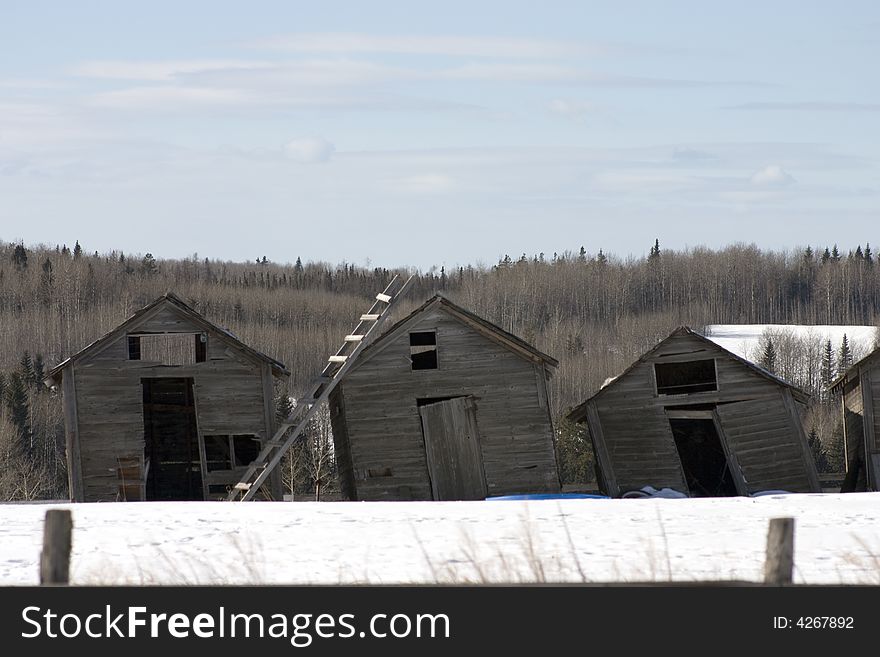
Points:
x=423 y=350
x=686 y=377
x=169 y=348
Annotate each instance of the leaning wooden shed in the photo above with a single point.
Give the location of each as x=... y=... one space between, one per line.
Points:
x=692 y=416
x=859 y=391
x=166 y=406
x=445 y=406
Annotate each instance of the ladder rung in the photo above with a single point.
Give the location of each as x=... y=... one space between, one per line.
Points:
x=337 y=359
x=383 y=297
x=242 y=486
x=369 y=317
x=353 y=338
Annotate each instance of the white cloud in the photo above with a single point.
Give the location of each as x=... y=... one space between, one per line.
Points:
x=309 y=150
x=427 y=183
x=160 y=70
x=572 y=108
x=460 y=46
x=168 y=98
x=772 y=176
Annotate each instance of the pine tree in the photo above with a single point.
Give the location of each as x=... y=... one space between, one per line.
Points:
x=148 y=265
x=298 y=267
x=77 y=251
x=844 y=356
x=65 y=251
x=601 y=258
x=826 y=255
x=582 y=255
x=808 y=254
x=19 y=413
x=820 y=455
x=859 y=254
x=827 y=367
x=26 y=368
x=768 y=355
x=655 y=251
x=869 y=257
x=39 y=370
x=19 y=257
x=835 y=253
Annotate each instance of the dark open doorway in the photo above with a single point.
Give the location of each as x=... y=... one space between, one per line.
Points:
x=171 y=440
x=703 y=458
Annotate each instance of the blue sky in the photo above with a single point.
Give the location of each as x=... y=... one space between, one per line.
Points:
x=406 y=133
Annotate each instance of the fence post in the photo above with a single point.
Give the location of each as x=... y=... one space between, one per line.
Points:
x=55 y=557
x=779 y=566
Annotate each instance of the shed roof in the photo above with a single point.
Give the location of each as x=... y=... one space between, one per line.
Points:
x=854 y=368
x=173 y=301
x=485 y=327
x=578 y=413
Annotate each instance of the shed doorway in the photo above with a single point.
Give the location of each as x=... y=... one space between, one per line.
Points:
x=703 y=458
x=171 y=440
x=452 y=446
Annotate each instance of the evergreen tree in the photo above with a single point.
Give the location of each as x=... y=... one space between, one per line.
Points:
x=869 y=256
x=835 y=253
x=808 y=254
x=859 y=254
x=601 y=258
x=283 y=405
x=655 y=251
x=768 y=355
x=39 y=370
x=77 y=251
x=826 y=255
x=19 y=412
x=844 y=356
x=820 y=455
x=20 y=257
x=827 y=366
x=26 y=368
x=298 y=267
x=148 y=265
x=582 y=255
x=65 y=251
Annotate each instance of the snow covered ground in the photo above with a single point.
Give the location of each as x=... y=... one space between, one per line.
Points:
x=743 y=339
x=837 y=540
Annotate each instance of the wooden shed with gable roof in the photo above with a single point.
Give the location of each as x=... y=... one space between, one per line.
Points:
x=445 y=406
x=692 y=416
x=859 y=391
x=166 y=406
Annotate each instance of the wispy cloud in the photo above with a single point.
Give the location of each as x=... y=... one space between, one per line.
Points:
x=572 y=108
x=309 y=150
x=159 y=70
x=772 y=176
x=809 y=106
x=457 y=46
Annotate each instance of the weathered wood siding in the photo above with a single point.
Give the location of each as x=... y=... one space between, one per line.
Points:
x=452 y=442
x=385 y=444
x=109 y=399
x=635 y=428
x=853 y=422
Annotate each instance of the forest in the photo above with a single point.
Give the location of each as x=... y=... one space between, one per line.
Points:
x=593 y=311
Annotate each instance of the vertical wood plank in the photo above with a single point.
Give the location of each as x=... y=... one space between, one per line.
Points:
x=601 y=450
x=55 y=557
x=779 y=566
x=71 y=435
x=869 y=439
x=797 y=423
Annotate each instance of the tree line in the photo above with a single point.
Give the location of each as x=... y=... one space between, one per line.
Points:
x=595 y=312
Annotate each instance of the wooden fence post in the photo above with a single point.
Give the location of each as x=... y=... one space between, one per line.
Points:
x=55 y=557
x=779 y=566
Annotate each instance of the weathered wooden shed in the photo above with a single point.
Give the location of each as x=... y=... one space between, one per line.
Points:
x=445 y=406
x=167 y=406
x=692 y=416
x=859 y=391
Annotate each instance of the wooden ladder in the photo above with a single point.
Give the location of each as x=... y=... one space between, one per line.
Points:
x=306 y=407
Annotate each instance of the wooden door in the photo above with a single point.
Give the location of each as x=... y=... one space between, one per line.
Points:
x=765 y=445
x=452 y=444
